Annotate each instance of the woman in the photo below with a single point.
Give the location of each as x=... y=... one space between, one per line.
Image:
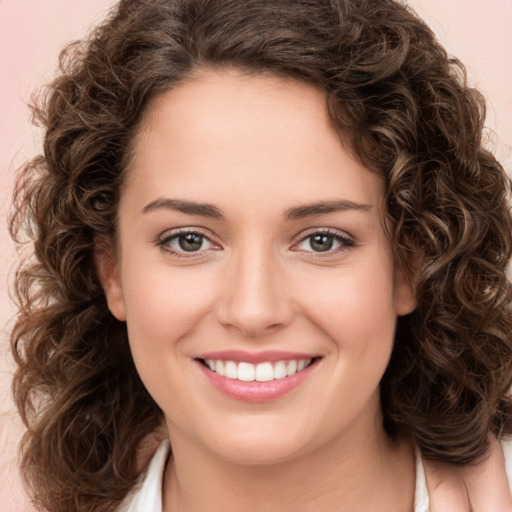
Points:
x=271 y=227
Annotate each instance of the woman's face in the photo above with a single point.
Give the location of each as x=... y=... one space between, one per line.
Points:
x=250 y=241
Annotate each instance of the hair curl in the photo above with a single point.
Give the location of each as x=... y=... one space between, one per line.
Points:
x=410 y=116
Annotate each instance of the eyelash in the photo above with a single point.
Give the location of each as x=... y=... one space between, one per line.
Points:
x=165 y=239
x=345 y=242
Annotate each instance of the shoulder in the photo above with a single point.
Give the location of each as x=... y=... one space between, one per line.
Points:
x=147 y=493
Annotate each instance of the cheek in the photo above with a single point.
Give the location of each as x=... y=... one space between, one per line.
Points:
x=163 y=307
x=356 y=306
x=355 y=309
x=163 y=312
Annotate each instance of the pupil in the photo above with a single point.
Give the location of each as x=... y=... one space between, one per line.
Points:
x=322 y=243
x=191 y=242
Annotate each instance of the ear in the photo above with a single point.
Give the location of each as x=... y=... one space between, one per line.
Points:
x=405 y=283
x=107 y=268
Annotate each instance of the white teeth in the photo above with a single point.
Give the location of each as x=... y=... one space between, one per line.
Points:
x=246 y=372
x=231 y=370
x=280 y=370
x=291 y=367
x=262 y=372
x=219 y=367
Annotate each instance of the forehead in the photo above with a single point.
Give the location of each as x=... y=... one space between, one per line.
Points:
x=227 y=135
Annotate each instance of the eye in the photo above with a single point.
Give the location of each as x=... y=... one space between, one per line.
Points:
x=182 y=242
x=324 y=242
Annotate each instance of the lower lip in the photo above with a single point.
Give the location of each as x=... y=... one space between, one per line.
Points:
x=256 y=391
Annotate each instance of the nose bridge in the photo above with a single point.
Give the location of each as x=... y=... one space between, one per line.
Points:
x=255 y=301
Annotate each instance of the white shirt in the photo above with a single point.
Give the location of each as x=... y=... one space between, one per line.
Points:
x=147 y=494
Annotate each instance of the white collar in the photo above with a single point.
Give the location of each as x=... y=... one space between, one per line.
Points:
x=421 y=501
x=147 y=494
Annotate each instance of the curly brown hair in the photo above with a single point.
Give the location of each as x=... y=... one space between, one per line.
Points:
x=410 y=116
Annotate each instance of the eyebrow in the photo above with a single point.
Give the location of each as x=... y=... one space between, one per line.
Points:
x=188 y=207
x=323 y=208
x=294 y=213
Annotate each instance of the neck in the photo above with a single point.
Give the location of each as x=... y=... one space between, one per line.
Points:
x=357 y=472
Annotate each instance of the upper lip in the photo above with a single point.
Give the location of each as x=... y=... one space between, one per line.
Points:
x=255 y=357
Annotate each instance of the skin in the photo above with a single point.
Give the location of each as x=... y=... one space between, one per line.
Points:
x=482 y=487
x=256 y=148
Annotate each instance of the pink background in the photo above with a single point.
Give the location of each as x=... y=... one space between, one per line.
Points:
x=32 y=32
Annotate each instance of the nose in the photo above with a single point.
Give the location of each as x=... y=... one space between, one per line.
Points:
x=254 y=300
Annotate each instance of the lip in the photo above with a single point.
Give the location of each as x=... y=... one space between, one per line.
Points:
x=256 y=357
x=255 y=391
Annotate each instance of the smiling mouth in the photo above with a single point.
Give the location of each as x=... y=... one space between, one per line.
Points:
x=262 y=372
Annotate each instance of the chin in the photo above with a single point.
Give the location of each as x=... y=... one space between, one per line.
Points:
x=260 y=452
x=260 y=442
